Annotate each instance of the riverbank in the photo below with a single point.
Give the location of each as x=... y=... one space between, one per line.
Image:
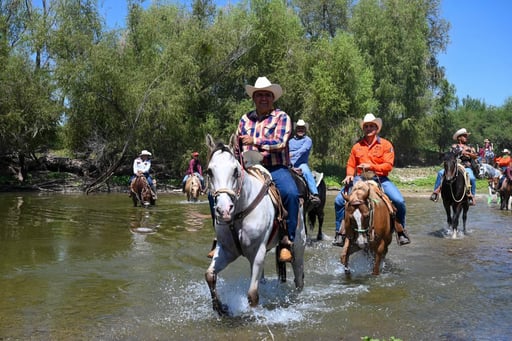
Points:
x=409 y=180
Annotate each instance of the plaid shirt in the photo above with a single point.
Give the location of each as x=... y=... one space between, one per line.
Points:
x=270 y=133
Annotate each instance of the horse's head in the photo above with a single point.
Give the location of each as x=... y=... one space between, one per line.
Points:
x=141 y=190
x=357 y=214
x=224 y=179
x=450 y=161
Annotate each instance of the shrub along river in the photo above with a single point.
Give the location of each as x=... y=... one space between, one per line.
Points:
x=73 y=267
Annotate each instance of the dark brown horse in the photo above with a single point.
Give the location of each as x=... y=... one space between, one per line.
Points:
x=140 y=191
x=311 y=211
x=505 y=193
x=454 y=191
x=368 y=223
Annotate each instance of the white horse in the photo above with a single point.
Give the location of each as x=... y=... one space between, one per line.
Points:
x=244 y=220
x=492 y=175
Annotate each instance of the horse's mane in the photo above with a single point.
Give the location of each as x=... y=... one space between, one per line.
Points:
x=360 y=191
x=222 y=147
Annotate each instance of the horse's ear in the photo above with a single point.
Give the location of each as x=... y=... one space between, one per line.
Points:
x=233 y=142
x=210 y=143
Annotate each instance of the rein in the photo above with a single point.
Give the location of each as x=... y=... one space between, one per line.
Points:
x=451 y=186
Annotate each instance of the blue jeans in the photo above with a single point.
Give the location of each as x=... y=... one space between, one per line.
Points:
x=310 y=179
x=387 y=186
x=289 y=195
x=472 y=180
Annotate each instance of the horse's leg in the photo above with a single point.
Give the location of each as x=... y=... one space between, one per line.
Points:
x=257 y=265
x=464 y=217
x=345 y=255
x=299 y=245
x=320 y=213
x=455 y=220
x=448 y=210
x=218 y=263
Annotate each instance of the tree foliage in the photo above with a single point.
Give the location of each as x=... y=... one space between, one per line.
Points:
x=175 y=73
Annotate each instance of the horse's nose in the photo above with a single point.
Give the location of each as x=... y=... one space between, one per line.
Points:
x=224 y=209
x=362 y=241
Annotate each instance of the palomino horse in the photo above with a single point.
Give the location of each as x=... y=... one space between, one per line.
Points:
x=368 y=223
x=454 y=191
x=140 y=191
x=244 y=223
x=193 y=187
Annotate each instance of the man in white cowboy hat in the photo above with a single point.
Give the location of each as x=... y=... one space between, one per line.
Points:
x=267 y=130
x=467 y=154
x=376 y=154
x=300 y=147
x=142 y=165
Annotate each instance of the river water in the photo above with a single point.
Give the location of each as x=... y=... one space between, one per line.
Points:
x=76 y=267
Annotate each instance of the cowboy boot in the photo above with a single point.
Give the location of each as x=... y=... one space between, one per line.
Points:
x=212 y=251
x=285 y=253
x=339 y=238
x=435 y=195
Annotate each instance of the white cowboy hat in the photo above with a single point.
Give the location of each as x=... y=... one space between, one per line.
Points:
x=370 y=118
x=506 y=151
x=301 y=123
x=145 y=152
x=459 y=132
x=263 y=84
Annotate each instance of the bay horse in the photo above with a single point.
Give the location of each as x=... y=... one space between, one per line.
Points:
x=193 y=187
x=505 y=193
x=368 y=223
x=140 y=191
x=245 y=223
x=454 y=191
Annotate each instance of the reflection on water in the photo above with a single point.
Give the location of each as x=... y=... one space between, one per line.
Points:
x=94 y=267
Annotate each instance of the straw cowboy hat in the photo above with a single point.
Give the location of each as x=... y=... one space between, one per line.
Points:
x=301 y=123
x=506 y=151
x=145 y=152
x=486 y=140
x=263 y=84
x=370 y=118
x=460 y=132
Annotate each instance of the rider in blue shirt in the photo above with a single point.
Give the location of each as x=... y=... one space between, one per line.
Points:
x=300 y=146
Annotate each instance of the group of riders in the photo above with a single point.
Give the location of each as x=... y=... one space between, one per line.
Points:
x=268 y=130
x=471 y=160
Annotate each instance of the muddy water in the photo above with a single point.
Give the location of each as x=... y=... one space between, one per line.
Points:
x=93 y=267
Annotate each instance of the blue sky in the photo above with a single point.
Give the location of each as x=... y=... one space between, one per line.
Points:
x=478 y=60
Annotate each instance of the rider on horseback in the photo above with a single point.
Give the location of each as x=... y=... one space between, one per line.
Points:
x=300 y=147
x=467 y=155
x=267 y=130
x=371 y=153
x=503 y=163
x=142 y=165
x=194 y=167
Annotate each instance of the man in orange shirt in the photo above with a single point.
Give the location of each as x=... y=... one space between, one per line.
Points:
x=376 y=154
x=503 y=162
